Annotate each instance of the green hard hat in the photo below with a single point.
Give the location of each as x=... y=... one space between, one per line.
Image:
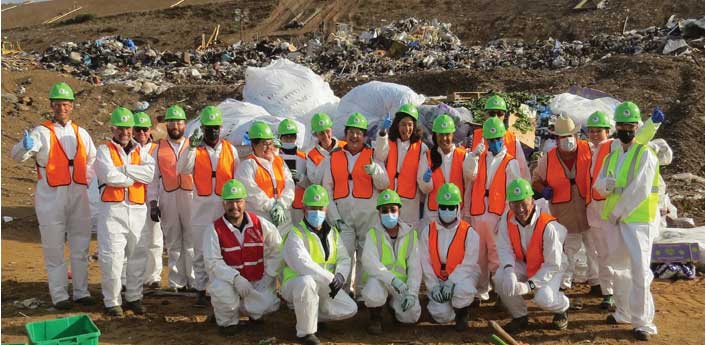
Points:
x=519 y=189
x=598 y=119
x=175 y=112
x=61 y=91
x=493 y=128
x=287 y=126
x=211 y=116
x=357 y=120
x=122 y=117
x=443 y=124
x=142 y=120
x=260 y=130
x=387 y=197
x=233 y=190
x=315 y=195
x=449 y=195
x=409 y=109
x=627 y=112
x=320 y=122
x=495 y=102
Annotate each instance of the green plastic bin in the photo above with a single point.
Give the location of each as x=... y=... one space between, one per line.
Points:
x=78 y=330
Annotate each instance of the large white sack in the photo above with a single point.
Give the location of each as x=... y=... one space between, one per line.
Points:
x=580 y=108
x=235 y=115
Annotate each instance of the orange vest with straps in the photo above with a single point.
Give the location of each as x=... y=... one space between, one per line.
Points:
x=560 y=183
x=455 y=254
x=299 y=191
x=273 y=189
x=508 y=141
x=137 y=192
x=455 y=176
x=57 y=168
x=316 y=156
x=603 y=151
x=362 y=182
x=203 y=175
x=496 y=193
x=534 y=258
x=167 y=161
x=407 y=176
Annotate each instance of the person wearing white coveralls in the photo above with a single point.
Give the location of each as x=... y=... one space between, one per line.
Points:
x=62 y=209
x=322 y=129
x=531 y=258
x=316 y=264
x=242 y=255
x=123 y=171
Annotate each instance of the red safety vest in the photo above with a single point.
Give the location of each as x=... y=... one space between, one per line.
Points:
x=534 y=258
x=57 y=168
x=362 y=182
x=496 y=193
x=203 y=175
x=560 y=183
x=455 y=176
x=455 y=254
x=136 y=193
x=167 y=161
x=246 y=257
x=407 y=176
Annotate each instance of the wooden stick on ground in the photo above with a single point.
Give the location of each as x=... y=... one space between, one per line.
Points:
x=62 y=16
x=176 y=3
x=502 y=334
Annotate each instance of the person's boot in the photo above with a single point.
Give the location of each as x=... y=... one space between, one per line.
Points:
x=595 y=290
x=611 y=320
x=561 y=321
x=136 y=307
x=375 y=322
x=64 y=305
x=116 y=311
x=201 y=300
x=640 y=335
x=461 y=319
x=309 y=339
x=228 y=331
x=86 y=301
x=517 y=324
x=607 y=302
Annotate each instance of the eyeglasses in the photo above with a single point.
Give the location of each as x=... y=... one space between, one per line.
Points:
x=448 y=207
x=267 y=143
x=140 y=129
x=498 y=113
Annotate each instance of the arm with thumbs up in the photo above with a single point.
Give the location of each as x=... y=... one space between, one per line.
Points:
x=26 y=147
x=385 y=125
x=378 y=173
x=27 y=141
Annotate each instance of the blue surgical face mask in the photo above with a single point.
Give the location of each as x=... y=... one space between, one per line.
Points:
x=315 y=218
x=389 y=220
x=447 y=216
x=495 y=146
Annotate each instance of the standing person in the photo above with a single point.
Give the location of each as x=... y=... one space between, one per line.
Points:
x=296 y=162
x=530 y=251
x=391 y=265
x=322 y=129
x=123 y=170
x=316 y=264
x=242 y=255
x=170 y=195
x=449 y=256
x=404 y=155
x=61 y=197
x=629 y=180
x=212 y=162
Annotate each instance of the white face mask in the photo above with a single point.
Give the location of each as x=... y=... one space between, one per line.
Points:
x=448 y=216
x=567 y=144
x=289 y=146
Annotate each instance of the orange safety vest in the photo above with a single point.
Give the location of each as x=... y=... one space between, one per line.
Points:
x=203 y=175
x=407 y=176
x=273 y=189
x=455 y=254
x=362 y=182
x=57 y=168
x=556 y=175
x=167 y=160
x=603 y=151
x=508 y=141
x=496 y=193
x=299 y=191
x=316 y=156
x=137 y=192
x=534 y=258
x=455 y=175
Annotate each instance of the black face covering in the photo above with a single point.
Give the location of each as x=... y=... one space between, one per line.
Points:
x=210 y=134
x=625 y=136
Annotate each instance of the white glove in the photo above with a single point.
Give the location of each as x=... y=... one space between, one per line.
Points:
x=242 y=286
x=370 y=168
x=447 y=290
x=609 y=184
x=399 y=286
x=479 y=149
x=277 y=214
x=436 y=294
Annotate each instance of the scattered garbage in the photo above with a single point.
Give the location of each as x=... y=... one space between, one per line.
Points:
x=7 y=219
x=30 y=303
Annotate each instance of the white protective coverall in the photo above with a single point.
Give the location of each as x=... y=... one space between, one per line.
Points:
x=315 y=172
x=62 y=212
x=204 y=209
x=309 y=292
x=121 y=225
x=225 y=299
x=446 y=161
x=547 y=279
x=155 y=237
x=465 y=275
x=379 y=284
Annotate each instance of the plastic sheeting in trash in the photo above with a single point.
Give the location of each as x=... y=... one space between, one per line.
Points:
x=580 y=108
x=462 y=118
x=677 y=235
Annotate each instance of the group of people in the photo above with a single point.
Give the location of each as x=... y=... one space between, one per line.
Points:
x=348 y=222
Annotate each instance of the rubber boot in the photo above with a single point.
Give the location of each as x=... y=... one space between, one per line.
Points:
x=461 y=319
x=375 y=322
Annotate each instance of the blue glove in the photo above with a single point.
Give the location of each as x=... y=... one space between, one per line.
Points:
x=246 y=139
x=547 y=193
x=27 y=141
x=387 y=122
x=657 y=115
x=427 y=175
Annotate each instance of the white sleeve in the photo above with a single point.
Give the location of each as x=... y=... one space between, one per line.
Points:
x=19 y=153
x=513 y=172
x=185 y=164
x=313 y=172
x=332 y=211
x=144 y=172
x=424 y=165
x=155 y=186
x=468 y=272
x=470 y=168
x=343 y=260
x=372 y=264
x=521 y=160
x=213 y=259
x=554 y=235
x=273 y=245
x=506 y=256
x=90 y=154
x=287 y=195
x=382 y=147
x=380 y=179
x=297 y=258
x=107 y=173
x=430 y=279
x=256 y=196
x=414 y=269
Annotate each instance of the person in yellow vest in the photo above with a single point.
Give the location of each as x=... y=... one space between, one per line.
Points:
x=61 y=197
x=449 y=254
x=123 y=170
x=629 y=180
x=316 y=264
x=242 y=255
x=170 y=195
x=266 y=178
x=212 y=162
x=405 y=157
x=531 y=258
x=391 y=265
x=563 y=177
x=322 y=129
x=295 y=159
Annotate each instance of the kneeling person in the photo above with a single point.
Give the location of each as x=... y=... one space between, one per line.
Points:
x=241 y=253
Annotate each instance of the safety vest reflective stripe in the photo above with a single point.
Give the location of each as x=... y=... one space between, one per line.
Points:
x=362 y=182
x=315 y=249
x=316 y=156
x=167 y=161
x=407 y=175
x=508 y=141
x=272 y=189
x=558 y=180
x=135 y=193
x=395 y=263
x=203 y=175
x=496 y=193
x=58 y=164
x=603 y=151
x=455 y=176
x=534 y=258
x=248 y=259
x=455 y=254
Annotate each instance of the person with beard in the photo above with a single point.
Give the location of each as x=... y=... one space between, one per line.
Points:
x=123 y=170
x=322 y=129
x=295 y=159
x=170 y=195
x=629 y=181
x=212 y=162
